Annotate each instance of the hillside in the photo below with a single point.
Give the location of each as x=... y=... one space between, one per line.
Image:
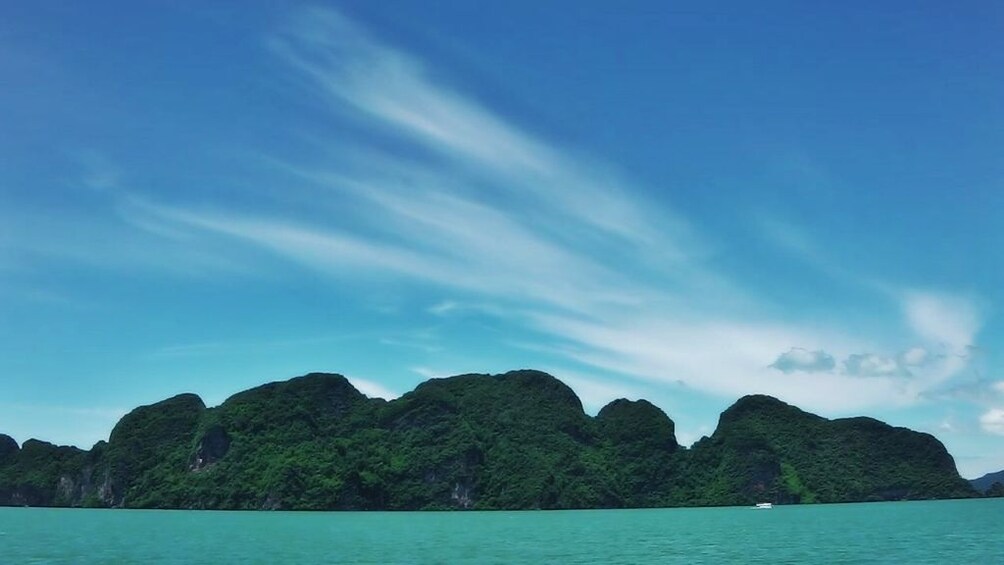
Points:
x=518 y=440
x=986 y=482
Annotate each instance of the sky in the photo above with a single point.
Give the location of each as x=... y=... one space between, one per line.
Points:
x=680 y=201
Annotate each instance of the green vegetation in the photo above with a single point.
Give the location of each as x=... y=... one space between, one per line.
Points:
x=514 y=441
x=764 y=449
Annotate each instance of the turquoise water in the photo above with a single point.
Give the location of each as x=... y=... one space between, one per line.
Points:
x=968 y=531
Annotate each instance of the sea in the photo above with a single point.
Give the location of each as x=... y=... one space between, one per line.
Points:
x=950 y=531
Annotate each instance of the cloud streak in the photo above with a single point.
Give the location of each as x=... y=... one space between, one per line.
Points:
x=553 y=242
x=615 y=282
x=395 y=90
x=947 y=320
x=373 y=389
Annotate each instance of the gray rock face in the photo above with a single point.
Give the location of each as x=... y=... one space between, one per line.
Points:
x=461 y=495
x=89 y=487
x=212 y=447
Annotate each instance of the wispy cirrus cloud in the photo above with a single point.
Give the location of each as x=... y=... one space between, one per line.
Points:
x=558 y=243
x=945 y=319
x=241 y=346
x=945 y=324
x=373 y=389
x=559 y=237
x=396 y=90
x=596 y=392
x=981 y=391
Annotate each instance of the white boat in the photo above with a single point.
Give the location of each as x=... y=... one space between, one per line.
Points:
x=763 y=506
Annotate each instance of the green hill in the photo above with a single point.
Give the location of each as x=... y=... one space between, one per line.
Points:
x=991 y=484
x=764 y=449
x=519 y=440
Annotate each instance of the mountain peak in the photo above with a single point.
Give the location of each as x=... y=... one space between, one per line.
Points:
x=760 y=405
x=8 y=446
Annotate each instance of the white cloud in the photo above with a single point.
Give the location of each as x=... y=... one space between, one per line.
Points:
x=871 y=365
x=596 y=392
x=394 y=89
x=980 y=391
x=564 y=246
x=688 y=438
x=799 y=359
x=943 y=319
x=428 y=373
x=438 y=238
x=32 y=238
x=555 y=241
x=443 y=308
x=992 y=421
x=373 y=389
x=420 y=341
x=947 y=425
x=914 y=357
x=725 y=358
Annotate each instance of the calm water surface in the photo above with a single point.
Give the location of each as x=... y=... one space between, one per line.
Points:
x=968 y=531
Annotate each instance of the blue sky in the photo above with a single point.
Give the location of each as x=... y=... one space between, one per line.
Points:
x=685 y=202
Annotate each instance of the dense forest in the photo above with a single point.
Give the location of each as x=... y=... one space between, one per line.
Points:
x=519 y=440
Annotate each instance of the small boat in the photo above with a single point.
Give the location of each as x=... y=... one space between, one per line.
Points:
x=763 y=506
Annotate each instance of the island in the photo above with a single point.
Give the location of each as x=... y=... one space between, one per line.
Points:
x=518 y=440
